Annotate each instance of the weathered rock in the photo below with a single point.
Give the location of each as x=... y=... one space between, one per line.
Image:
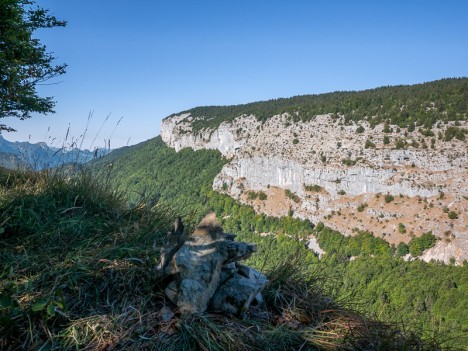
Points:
x=174 y=240
x=198 y=264
x=238 y=292
x=249 y=272
x=171 y=292
x=203 y=263
x=239 y=251
x=166 y=314
x=227 y=271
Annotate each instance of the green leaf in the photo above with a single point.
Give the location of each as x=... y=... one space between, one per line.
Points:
x=39 y=306
x=51 y=310
x=2 y=230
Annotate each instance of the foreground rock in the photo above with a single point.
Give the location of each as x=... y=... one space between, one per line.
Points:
x=205 y=272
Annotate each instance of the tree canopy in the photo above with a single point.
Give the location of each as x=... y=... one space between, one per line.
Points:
x=404 y=105
x=24 y=60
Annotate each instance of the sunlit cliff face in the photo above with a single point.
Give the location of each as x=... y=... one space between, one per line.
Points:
x=426 y=177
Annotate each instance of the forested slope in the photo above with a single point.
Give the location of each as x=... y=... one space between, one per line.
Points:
x=423 y=104
x=424 y=295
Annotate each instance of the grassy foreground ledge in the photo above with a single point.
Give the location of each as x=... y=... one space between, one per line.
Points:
x=77 y=271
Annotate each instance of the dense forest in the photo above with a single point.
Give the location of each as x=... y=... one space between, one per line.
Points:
x=430 y=296
x=404 y=105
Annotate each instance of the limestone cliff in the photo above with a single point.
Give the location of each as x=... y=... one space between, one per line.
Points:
x=351 y=179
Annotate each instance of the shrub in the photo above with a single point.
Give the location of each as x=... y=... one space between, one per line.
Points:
x=369 y=144
x=386 y=140
x=387 y=128
x=348 y=162
x=424 y=242
x=402 y=249
x=295 y=141
x=252 y=195
x=320 y=226
x=293 y=196
x=455 y=132
x=400 y=144
x=360 y=130
x=426 y=132
x=452 y=215
x=401 y=228
x=262 y=196
x=362 y=207
x=313 y=188
x=389 y=198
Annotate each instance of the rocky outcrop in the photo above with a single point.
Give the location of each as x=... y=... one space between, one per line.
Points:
x=313 y=245
x=204 y=269
x=227 y=138
x=425 y=175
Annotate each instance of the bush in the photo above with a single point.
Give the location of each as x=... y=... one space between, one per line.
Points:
x=262 y=196
x=387 y=128
x=360 y=130
x=402 y=249
x=362 y=207
x=252 y=195
x=369 y=144
x=389 y=198
x=455 y=132
x=293 y=196
x=313 y=188
x=426 y=132
x=320 y=226
x=348 y=162
x=452 y=215
x=424 y=242
x=400 y=144
x=401 y=228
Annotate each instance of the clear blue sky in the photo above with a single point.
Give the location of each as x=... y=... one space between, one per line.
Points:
x=145 y=59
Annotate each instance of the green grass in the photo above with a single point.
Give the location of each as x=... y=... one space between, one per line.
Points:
x=74 y=258
x=77 y=271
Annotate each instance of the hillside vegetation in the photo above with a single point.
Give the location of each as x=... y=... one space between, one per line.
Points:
x=427 y=296
x=404 y=105
x=77 y=271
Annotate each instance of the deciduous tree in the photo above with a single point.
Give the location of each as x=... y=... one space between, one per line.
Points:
x=24 y=60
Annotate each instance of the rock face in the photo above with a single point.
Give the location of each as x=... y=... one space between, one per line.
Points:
x=204 y=268
x=239 y=291
x=344 y=169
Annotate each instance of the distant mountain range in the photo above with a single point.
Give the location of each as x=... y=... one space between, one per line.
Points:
x=41 y=156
